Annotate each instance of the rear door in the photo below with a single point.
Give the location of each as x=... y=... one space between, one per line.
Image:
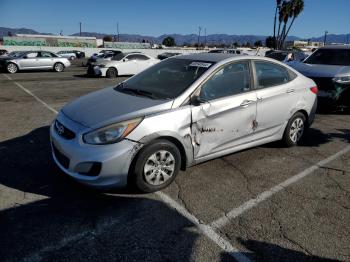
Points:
x=30 y=60
x=277 y=97
x=225 y=116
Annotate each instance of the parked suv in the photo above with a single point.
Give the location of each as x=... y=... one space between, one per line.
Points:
x=180 y=112
x=329 y=67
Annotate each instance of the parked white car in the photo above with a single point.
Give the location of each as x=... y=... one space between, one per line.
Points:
x=122 y=64
x=67 y=54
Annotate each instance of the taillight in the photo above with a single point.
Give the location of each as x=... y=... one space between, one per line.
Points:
x=314 y=90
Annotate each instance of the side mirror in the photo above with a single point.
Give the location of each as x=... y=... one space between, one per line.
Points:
x=197 y=100
x=25 y=57
x=125 y=60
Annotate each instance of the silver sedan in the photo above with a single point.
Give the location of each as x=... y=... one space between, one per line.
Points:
x=180 y=112
x=30 y=60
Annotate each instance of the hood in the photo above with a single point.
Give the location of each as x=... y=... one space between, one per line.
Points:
x=314 y=70
x=109 y=106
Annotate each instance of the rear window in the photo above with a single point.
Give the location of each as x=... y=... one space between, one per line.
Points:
x=330 y=57
x=277 y=56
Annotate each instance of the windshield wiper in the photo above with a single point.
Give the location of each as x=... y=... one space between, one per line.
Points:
x=139 y=92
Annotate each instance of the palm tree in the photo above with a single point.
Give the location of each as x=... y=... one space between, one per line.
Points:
x=281 y=15
x=297 y=8
x=285 y=14
x=278 y=8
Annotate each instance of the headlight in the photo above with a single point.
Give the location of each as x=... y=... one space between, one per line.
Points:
x=342 y=80
x=112 y=133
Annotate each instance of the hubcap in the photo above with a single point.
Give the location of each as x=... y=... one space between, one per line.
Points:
x=159 y=168
x=58 y=67
x=12 y=68
x=296 y=130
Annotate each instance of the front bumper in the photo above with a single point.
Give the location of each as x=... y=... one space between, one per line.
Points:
x=75 y=157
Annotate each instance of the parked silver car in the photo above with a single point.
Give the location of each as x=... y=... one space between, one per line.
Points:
x=30 y=60
x=180 y=112
x=67 y=54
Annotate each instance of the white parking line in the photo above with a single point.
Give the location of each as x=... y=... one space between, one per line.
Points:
x=31 y=94
x=8 y=77
x=224 y=220
x=207 y=230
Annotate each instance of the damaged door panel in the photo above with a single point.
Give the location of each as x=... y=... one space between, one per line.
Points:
x=222 y=124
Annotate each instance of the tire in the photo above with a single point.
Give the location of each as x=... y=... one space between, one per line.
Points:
x=11 y=68
x=156 y=166
x=111 y=72
x=58 y=67
x=295 y=130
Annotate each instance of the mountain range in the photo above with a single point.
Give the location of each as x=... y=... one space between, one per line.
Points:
x=189 y=39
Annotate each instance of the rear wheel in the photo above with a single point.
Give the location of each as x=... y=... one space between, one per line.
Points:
x=295 y=129
x=111 y=72
x=12 y=68
x=156 y=166
x=58 y=67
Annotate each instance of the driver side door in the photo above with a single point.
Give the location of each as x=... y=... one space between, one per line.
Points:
x=226 y=112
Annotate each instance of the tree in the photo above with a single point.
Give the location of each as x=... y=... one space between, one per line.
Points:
x=297 y=8
x=258 y=43
x=107 y=38
x=287 y=9
x=169 y=41
x=270 y=42
x=277 y=9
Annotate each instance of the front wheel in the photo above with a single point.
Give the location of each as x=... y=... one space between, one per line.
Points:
x=295 y=129
x=12 y=68
x=111 y=72
x=58 y=67
x=156 y=166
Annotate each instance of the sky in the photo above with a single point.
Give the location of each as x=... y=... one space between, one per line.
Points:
x=154 y=18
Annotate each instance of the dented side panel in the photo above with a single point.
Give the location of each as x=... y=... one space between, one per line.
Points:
x=222 y=124
x=173 y=123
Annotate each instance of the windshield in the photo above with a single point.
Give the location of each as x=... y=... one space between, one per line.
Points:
x=15 y=54
x=330 y=57
x=277 y=56
x=167 y=79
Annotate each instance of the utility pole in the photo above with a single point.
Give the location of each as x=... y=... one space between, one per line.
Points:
x=325 y=37
x=80 y=28
x=199 y=35
x=118 y=31
x=205 y=38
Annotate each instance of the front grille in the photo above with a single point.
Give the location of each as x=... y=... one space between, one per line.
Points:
x=63 y=131
x=324 y=83
x=61 y=158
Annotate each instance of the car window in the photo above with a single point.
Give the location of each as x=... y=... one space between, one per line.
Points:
x=330 y=57
x=45 y=54
x=232 y=79
x=279 y=56
x=270 y=74
x=137 y=57
x=32 y=55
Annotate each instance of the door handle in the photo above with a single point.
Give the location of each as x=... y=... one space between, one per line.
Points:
x=290 y=91
x=259 y=99
x=246 y=102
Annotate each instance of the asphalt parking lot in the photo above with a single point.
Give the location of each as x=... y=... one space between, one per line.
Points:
x=268 y=203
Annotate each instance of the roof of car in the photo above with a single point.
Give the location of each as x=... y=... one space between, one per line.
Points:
x=336 y=47
x=210 y=57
